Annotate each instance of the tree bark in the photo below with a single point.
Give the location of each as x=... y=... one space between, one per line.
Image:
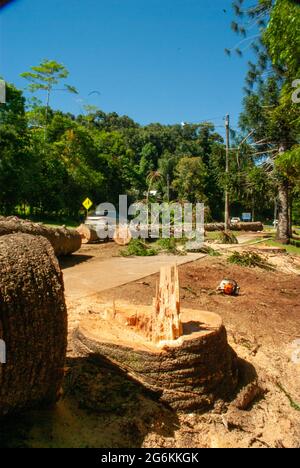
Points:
x=283 y=228
x=256 y=226
x=64 y=241
x=33 y=323
x=187 y=374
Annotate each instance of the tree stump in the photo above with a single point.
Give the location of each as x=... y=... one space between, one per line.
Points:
x=33 y=323
x=181 y=354
x=64 y=241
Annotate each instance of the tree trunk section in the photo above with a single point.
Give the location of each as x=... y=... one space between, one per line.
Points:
x=88 y=234
x=64 y=241
x=283 y=228
x=253 y=226
x=33 y=323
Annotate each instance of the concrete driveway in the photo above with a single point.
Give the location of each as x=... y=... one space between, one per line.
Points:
x=87 y=278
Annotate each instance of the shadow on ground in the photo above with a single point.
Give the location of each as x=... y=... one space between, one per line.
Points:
x=99 y=409
x=72 y=260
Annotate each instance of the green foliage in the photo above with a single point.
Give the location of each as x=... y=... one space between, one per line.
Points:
x=50 y=161
x=46 y=75
x=138 y=248
x=282 y=37
x=206 y=249
x=170 y=245
x=249 y=259
x=288 y=164
x=189 y=181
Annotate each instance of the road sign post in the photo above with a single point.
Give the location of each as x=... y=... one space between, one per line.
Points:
x=87 y=203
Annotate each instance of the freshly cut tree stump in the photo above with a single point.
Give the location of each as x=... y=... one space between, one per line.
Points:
x=33 y=323
x=64 y=241
x=182 y=355
x=87 y=233
x=188 y=373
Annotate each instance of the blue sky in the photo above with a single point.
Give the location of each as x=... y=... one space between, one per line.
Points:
x=154 y=60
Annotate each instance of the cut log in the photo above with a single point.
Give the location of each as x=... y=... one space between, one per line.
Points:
x=33 y=323
x=87 y=233
x=210 y=227
x=64 y=241
x=122 y=235
x=255 y=226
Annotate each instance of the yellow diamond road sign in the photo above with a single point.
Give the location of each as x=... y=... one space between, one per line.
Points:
x=87 y=203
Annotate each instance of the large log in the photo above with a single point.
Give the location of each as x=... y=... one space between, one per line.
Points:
x=64 y=241
x=255 y=226
x=87 y=233
x=33 y=323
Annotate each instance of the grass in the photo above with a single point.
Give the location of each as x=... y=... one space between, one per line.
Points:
x=214 y=235
x=293 y=404
x=291 y=249
x=53 y=222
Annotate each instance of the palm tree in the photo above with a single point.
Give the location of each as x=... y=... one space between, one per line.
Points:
x=152 y=177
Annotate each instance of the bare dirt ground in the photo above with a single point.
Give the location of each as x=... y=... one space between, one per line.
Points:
x=104 y=408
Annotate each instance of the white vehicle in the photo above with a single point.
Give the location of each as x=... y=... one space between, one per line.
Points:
x=102 y=221
x=235 y=220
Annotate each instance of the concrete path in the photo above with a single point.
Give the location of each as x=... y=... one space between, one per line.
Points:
x=87 y=278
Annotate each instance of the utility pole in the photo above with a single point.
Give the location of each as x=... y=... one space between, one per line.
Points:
x=168 y=187
x=227 y=221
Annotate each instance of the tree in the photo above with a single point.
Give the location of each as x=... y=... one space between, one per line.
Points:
x=269 y=113
x=44 y=77
x=190 y=178
x=15 y=161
